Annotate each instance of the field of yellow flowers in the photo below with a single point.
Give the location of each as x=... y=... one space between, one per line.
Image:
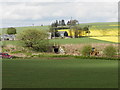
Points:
x=101 y=33
x=106 y=35
x=112 y=32
x=96 y=32
x=108 y=38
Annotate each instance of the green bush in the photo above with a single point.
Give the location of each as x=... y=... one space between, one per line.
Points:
x=36 y=40
x=11 y=31
x=86 y=50
x=109 y=51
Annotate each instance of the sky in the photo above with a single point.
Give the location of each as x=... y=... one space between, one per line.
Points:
x=18 y=13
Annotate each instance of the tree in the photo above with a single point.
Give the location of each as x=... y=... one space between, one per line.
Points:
x=53 y=25
x=11 y=30
x=110 y=51
x=60 y=23
x=63 y=23
x=76 y=30
x=54 y=32
x=56 y=23
x=86 y=28
x=36 y=40
x=73 y=28
x=68 y=23
x=86 y=50
x=73 y=22
x=70 y=31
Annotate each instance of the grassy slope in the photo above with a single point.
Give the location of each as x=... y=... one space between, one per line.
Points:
x=84 y=40
x=100 y=23
x=21 y=29
x=71 y=73
x=103 y=25
x=17 y=43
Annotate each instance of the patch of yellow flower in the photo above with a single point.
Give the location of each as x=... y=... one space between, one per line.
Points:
x=108 y=38
x=104 y=32
x=95 y=32
x=114 y=25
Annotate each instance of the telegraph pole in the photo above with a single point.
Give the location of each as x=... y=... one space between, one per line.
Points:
x=70 y=27
x=71 y=18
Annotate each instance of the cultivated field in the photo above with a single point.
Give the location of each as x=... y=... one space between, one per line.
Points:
x=82 y=40
x=101 y=31
x=106 y=32
x=60 y=73
x=108 y=38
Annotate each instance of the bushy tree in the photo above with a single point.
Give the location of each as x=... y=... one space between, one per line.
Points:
x=68 y=23
x=77 y=30
x=11 y=30
x=36 y=40
x=73 y=22
x=109 y=51
x=63 y=23
x=59 y=23
x=56 y=23
x=86 y=50
x=86 y=28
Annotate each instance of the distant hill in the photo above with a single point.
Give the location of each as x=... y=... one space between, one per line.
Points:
x=93 y=26
x=21 y=29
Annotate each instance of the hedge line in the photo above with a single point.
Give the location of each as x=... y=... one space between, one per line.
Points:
x=71 y=56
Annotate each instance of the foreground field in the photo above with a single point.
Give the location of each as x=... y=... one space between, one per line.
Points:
x=60 y=73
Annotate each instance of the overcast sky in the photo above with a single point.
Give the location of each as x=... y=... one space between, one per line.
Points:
x=46 y=11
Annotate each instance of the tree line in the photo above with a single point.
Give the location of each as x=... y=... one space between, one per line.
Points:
x=72 y=25
x=62 y=23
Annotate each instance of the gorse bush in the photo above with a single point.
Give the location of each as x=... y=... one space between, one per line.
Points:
x=86 y=50
x=109 y=51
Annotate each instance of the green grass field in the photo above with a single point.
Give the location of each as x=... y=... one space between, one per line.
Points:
x=84 y=40
x=56 y=73
x=21 y=29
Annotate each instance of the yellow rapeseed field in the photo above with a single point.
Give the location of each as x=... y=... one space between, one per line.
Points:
x=104 y=32
x=93 y=32
x=108 y=38
x=114 y=25
x=106 y=35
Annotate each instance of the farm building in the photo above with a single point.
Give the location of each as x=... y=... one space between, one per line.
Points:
x=69 y=33
x=7 y=37
x=49 y=35
x=63 y=33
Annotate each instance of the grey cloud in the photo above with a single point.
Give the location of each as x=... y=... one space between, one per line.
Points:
x=85 y=11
